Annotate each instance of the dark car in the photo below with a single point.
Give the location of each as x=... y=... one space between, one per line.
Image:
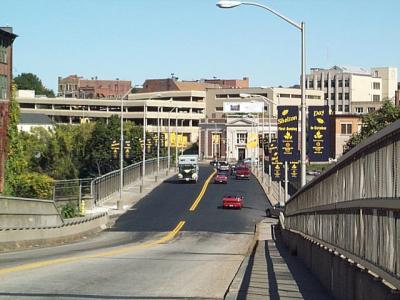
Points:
x=274 y=211
x=214 y=163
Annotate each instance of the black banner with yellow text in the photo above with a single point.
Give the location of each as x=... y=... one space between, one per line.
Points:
x=288 y=133
x=318 y=133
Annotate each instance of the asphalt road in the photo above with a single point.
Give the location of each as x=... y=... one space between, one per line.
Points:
x=157 y=250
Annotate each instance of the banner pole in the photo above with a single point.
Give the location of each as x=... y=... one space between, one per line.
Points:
x=286 y=182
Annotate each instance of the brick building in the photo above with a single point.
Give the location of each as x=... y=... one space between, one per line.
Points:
x=173 y=84
x=74 y=86
x=6 y=55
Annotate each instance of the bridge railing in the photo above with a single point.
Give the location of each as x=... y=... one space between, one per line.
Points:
x=105 y=186
x=354 y=206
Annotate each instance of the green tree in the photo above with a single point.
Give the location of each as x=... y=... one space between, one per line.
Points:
x=373 y=122
x=16 y=163
x=30 y=81
x=34 y=185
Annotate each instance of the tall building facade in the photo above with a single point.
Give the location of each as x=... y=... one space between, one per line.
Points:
x=74 y=86
x=7 y=38
x=350 y=90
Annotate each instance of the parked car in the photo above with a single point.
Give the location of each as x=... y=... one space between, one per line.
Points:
x=221 y=178
x=242 y=172
x=274 y=211
x=213 y=163
x=223 y=166
x=232 y=202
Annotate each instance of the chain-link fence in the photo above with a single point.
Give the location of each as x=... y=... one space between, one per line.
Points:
x=71 y=191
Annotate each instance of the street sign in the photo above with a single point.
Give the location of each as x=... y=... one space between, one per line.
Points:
x=288 y=133
x=318 y=133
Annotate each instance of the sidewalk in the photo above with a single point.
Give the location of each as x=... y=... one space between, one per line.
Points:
x=131 y=194
x=272 y=273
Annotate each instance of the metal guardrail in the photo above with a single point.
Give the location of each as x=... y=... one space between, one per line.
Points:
x=108 y=184
x=354 y=206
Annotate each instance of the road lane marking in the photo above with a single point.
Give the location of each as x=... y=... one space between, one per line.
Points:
x=124 y=250
x=202 y=192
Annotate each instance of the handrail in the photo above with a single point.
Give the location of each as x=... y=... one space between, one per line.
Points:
x=354 y=206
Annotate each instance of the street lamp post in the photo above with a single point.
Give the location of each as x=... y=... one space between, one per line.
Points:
x=121 y=151
x=144 y=146
x=270 y=103
x=169 y=136
x=301 y=27
x=158 y=142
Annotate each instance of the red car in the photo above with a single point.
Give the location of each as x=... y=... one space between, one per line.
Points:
x=232 y=202
x=242 y=172
x=221 y=178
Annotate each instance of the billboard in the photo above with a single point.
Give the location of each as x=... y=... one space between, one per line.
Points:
x=243 y=107
x=318 y=133
x=288 y=133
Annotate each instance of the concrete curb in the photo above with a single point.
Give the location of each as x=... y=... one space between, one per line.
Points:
x=234 y=287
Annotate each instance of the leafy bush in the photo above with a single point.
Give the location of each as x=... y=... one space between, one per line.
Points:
x=69 y=211
x=33 y=185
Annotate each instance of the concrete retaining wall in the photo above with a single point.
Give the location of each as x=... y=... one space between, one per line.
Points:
x=73 y=229
x=28 y=213
x=345 y=280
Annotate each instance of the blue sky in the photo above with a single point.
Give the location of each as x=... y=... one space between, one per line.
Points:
x=139 y=39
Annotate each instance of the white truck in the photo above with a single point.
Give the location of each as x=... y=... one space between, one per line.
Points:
x=188 y=168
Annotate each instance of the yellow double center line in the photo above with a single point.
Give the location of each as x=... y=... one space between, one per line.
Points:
x=123 y=250
x=202 y=192
x=118 y=251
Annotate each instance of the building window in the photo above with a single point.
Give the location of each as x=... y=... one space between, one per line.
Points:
x=346 y=108
x=3 y=51
x=347 y=96
x=241 y=138
x=340 y=96
x=340 y=82
x=333 y=83
x=359 y=110
x=376 y=98
x=376 y=85
x=371 y=109
x=340 y=107
x=326 y=96
x=345 y=128
x=311 y=84
x=333 y=108
x=346 y=82
x=333 y=96
x=325 y=83
x=319 y=83
x=3 y=87
x=218 y=108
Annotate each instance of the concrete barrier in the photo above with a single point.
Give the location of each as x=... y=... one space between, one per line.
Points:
x=70 y=230
x=28 y=213
x=342 y=278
